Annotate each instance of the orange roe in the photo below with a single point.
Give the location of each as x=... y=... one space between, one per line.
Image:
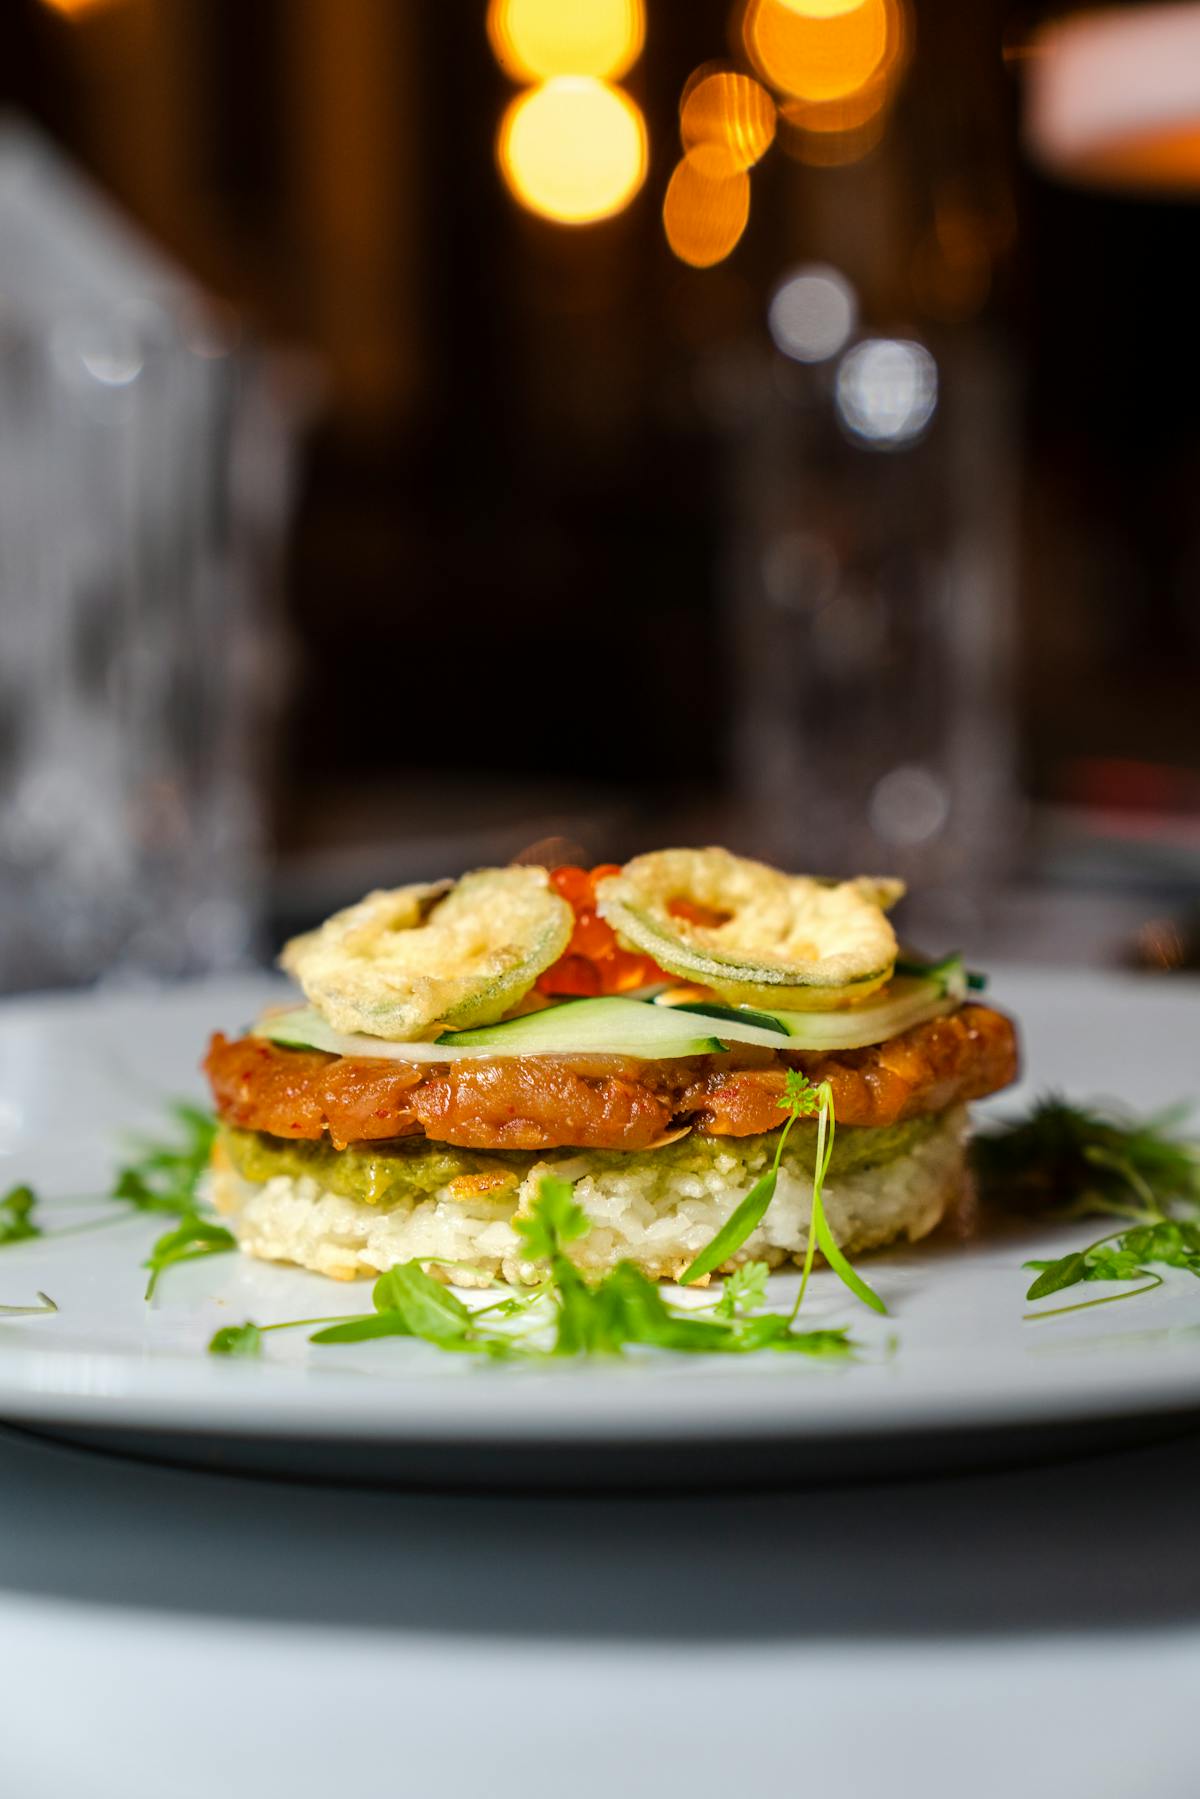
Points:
x=593 y=962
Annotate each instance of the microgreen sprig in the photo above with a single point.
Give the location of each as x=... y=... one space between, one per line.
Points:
x=192 y=1238
x=1076 y=1162
x=800 y=1099
x=16 y=1216
x=47 y=1305
x=579 y=1316
x=165 y=1175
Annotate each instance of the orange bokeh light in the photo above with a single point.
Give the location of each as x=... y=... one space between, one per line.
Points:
x=573 y=149
x=818 y=58
x=707 y=205
x=821 y=9
x=1167 y=159
x=730 y=110
x=79 y=9
x=534 y=40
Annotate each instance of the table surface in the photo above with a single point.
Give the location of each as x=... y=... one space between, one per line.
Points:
x=1033 y=1630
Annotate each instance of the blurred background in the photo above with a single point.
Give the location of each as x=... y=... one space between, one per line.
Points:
x=436 y=433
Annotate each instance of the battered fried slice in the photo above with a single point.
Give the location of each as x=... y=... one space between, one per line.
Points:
x=548 y=1102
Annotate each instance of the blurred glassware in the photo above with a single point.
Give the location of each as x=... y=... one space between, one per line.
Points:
x=144 y=485
x=872 y=600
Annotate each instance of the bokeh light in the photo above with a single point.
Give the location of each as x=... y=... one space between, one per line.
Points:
x=573 y=149
x=812 y=313
x=833 y=135
x=731 y=110
x=536 y=39
x=80 y=9
x=838 y=117
x=951 y=264
x=821 y=57
x=707 y=205
x=909 y=805
x=1112 y=97
x=886 y=391
x=821 y=9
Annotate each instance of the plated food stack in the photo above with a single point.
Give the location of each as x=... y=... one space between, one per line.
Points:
x=630 y=1030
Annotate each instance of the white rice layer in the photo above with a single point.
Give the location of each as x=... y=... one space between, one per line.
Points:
x=653 y=1213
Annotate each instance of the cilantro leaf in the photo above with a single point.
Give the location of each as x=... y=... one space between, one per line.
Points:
x=799 y=1097
x=554 y=1220
x=16 y=1216
x=745 y=1289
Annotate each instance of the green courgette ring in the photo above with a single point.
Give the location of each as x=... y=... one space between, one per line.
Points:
x=762 y=938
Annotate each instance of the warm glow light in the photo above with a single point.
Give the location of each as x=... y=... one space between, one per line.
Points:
x=573 y=149
x=1166 y=159
x=821 y=9
x=734 y=111
x=851 y=113
x=1113 y=97
x=706 y=207
x=825 y=56
x=79 y=9
x=823 y=137
x=535 y=39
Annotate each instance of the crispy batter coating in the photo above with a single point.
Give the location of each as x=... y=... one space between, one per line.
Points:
x=601 y=1102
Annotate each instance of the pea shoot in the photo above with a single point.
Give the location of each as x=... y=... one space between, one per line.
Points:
x=800 y=1099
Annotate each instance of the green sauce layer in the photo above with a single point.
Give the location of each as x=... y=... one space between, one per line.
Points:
x=406 y=1169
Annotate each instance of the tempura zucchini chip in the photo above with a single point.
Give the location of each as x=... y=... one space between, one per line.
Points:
x=755 y=936
x=403 y=963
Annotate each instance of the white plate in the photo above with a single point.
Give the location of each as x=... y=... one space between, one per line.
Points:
x=75 y=1073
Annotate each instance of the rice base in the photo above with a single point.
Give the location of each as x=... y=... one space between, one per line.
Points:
x=360 y=1211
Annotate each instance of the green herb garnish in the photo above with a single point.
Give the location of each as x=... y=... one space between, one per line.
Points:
x=16 y=1216
x=237 y=1339
x=164 y=1176
x=1081 y=1161
x=744 y=1290
x=192 y=1238
x=1076 y=1162
x=800 y=1099
x=47 y=1305
x=566 y=1314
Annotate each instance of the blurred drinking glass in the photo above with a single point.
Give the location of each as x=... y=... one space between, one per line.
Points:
x=872 y=599
x=143 y=486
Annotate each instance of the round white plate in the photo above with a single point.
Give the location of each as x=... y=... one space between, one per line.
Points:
x=953 y=1364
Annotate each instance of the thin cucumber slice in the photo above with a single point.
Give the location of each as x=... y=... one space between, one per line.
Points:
x=949 y=972
x=613 y=1026
x=618 y=1027
x=906 y=1001
x=649 y=1031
